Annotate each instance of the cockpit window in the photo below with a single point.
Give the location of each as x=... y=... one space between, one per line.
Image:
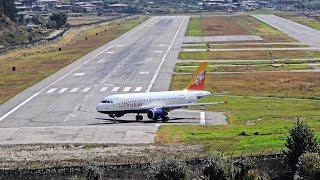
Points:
x=106 y=101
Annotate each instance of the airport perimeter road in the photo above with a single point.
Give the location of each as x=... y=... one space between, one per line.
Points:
x=130 y=63
x=298 y=31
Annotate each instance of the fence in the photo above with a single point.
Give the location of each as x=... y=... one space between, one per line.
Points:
x=54 y=38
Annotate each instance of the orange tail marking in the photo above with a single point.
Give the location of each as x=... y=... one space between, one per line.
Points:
x=198 y=80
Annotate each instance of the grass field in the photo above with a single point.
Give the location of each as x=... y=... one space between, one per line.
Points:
x=244 y=68
x=272 y=84
x=33 y=67
x=254 y=125
x=234 y=46
x=234 y=25
x=244 y=55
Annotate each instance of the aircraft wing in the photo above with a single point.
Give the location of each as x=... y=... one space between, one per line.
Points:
x=176 y=106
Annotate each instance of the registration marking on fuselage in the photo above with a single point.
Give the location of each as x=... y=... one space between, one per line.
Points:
x=115 y=89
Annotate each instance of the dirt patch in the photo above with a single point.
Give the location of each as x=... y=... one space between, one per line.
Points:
x=222 y=25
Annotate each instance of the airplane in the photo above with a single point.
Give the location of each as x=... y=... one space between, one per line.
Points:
x=157 y=104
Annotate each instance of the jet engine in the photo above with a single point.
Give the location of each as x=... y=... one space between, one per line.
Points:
x=156 y=113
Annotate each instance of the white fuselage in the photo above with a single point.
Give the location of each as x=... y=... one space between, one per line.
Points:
x=141 y=102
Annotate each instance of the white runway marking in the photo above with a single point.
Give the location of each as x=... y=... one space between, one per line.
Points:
x=78 y=74
x=158 y=51
x=162 y=45
x=138 y=89
x=115 y=89
x=144 y=73
x=74 y=90
x=157 y=125
x=202 y=118
x=62 y=90
x=120 y=45
x=86 y=89
x=101 y=60
x=103 y=89
x=148 y=59
x=164 y=57
x=126 y=89
x=110 y=52
x=51 y=90
x=62 y=77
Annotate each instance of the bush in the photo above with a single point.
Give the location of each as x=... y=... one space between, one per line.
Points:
x=93 y=172
x=300 y=141
x=217 y=168
x=308 y=166
x=169 y=168
x=241 y=168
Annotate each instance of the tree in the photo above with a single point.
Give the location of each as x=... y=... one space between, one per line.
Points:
x=8 y=8
x=169 y=169
x=59 y=18
x=308 y=167
x=300 y=140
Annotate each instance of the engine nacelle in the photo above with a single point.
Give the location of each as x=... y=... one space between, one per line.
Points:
x=156 y=113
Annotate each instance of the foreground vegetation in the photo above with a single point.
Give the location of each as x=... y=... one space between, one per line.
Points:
x=38 y=63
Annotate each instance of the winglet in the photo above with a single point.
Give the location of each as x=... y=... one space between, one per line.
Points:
x=198 y=80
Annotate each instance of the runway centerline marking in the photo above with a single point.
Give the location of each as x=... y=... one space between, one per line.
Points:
x=202 y=118
x=134 y=30
x=74 y=90
x=164 y=57
x=110 y=52
x=115 y=89
x=103 y=89
x=138 y=89
x=144 y=73
x=126 y=89
x=51 y=90
x=101 y=60
x=86 y=89
x=158 y=51
x=62 y=90
x=78 y=74
x=148 y=59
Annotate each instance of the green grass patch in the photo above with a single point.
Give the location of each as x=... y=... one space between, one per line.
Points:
x=248 y=55
x=194 y=27
x=255 y=125
x=244 y=68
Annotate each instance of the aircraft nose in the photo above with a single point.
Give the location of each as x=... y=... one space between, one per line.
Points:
x=100 y=107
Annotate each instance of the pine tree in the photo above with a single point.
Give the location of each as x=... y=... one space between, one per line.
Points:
x=300 y=141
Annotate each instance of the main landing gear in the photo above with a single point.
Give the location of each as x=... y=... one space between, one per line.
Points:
x=139 y=117
x=165 y=119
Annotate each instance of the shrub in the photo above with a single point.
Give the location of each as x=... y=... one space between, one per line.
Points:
x=93 y=172
x=241 y=168
x=217 y=168
x=300 y=140
x=308 y=166
x=169 y=169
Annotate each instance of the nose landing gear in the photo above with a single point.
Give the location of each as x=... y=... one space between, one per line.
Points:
x=139 y=117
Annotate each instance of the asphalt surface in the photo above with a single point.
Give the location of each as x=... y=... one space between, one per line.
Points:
x=139 y=61
x=298 y=31
x=194 y=39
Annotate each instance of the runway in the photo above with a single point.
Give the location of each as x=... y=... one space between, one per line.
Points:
x=298 y=31
x=139 y=61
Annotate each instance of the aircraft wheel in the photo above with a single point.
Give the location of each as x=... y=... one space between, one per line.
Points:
x=165 y=119
x=139 y=118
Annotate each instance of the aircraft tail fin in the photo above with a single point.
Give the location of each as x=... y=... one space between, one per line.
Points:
x=198 y=80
